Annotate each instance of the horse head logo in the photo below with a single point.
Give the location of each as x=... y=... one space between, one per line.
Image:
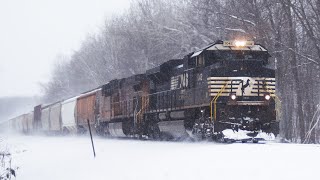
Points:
x=244 y=86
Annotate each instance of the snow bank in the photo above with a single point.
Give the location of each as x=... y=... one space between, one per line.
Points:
x=71 y=158
x=242 y=134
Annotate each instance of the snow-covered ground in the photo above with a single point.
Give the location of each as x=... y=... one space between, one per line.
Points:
x=60 y=158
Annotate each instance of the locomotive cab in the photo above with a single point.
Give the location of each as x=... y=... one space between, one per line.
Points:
x=241 y=86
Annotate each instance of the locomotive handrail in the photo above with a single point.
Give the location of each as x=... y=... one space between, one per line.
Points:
x=144 y=104
x=215 y=102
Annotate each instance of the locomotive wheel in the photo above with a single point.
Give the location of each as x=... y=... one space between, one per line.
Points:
x=218 y=137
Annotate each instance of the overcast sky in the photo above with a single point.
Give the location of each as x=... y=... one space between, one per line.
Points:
x=34 y=32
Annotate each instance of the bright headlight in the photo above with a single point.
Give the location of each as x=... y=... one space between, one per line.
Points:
x=233 y=96
x=267 y=96
x=240 y=43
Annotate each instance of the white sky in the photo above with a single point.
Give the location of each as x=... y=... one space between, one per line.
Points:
x=34 y=32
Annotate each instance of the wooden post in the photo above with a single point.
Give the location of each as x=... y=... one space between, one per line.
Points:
x=94 y=152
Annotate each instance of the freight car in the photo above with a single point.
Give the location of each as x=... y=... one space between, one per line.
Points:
x=68 y=116
x=51 y=118
x=225 y=85
x=86 y=110
x=22 y=123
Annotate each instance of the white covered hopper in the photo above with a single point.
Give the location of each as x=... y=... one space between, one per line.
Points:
x=45 y=118
x=68 y=115
x=55 y=124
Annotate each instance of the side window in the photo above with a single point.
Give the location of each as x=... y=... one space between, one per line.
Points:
x=200 y=60
x=192 y=62
x=211 y=58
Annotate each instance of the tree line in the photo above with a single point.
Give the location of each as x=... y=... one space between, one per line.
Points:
x=154 y=31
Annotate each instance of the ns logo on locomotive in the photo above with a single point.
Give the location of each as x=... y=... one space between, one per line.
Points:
x=226 y=85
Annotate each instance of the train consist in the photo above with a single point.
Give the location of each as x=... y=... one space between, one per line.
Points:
x=225 y=85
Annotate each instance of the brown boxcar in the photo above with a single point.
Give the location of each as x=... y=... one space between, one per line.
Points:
x=86 y=107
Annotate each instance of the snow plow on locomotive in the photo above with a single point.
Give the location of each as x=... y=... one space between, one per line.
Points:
x=227 y=85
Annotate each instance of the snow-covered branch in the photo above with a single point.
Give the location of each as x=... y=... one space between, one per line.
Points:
x=238 y=18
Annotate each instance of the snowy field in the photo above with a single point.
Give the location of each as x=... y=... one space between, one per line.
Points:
x=65 y=158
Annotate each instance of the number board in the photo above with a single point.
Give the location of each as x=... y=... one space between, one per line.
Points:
x=233 y=43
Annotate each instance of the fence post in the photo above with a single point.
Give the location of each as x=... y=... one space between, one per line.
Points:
x=94 y=152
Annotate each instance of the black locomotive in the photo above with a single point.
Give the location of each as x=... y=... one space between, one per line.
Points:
x=226 y=85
